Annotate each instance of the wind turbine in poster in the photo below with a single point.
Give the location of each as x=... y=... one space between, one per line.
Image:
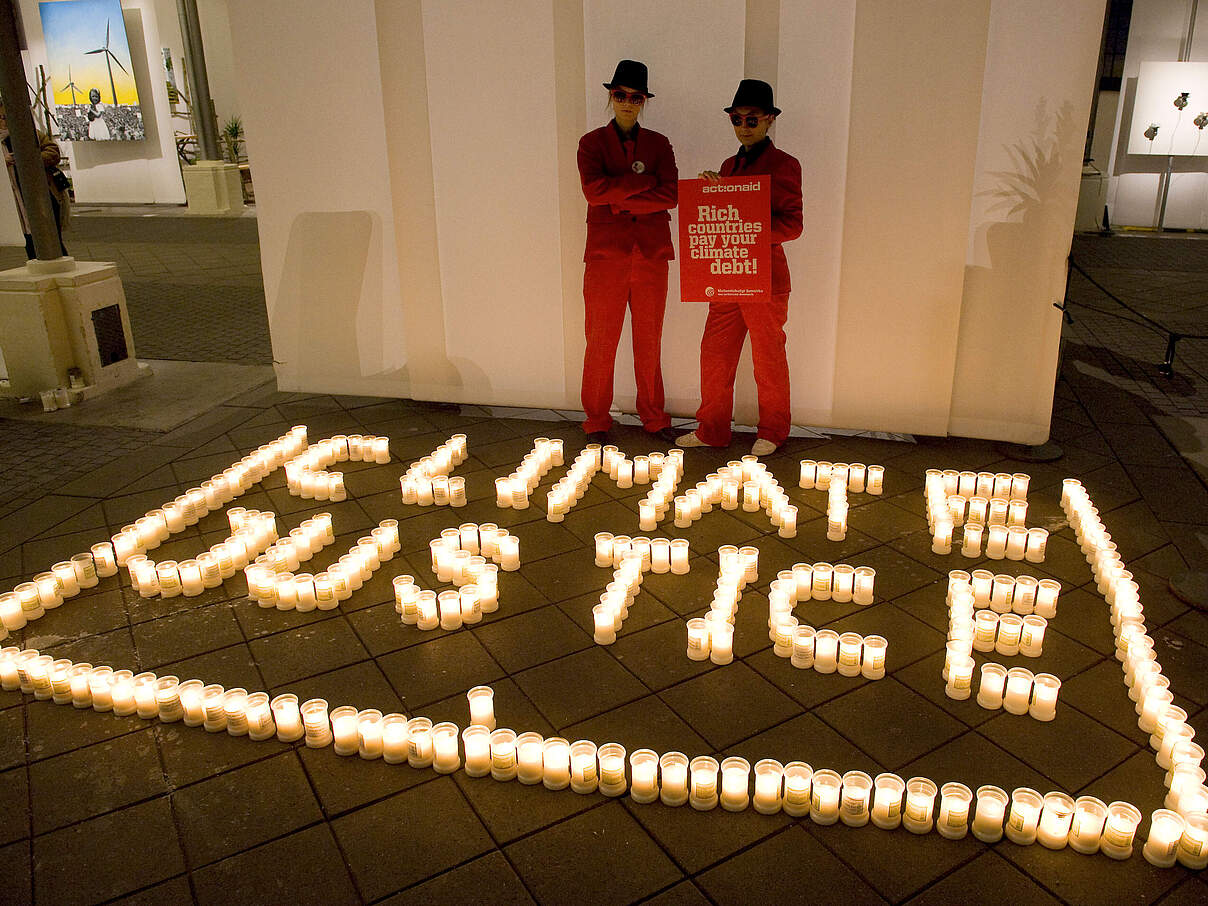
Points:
x=91 y=71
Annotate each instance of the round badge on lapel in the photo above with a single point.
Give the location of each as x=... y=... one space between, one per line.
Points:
x=639 y=167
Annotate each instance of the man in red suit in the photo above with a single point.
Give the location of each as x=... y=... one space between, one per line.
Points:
x=728 y=324
x=630 y=181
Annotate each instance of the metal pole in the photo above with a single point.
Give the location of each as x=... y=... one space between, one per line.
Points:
x=27 y=155
x=203 y=107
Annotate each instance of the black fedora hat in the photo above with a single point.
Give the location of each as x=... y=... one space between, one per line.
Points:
x=631 y=74
x=754 y=93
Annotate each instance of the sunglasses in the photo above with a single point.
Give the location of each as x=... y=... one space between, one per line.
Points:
x=623 y=96
x=750 y=121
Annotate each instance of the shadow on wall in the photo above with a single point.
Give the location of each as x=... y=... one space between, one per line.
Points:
x=330 y=296
x=1033 y=198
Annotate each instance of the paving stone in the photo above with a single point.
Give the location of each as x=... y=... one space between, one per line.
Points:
x=579 y=686
x=487 y=879
x=727 y=705
x=603 y=843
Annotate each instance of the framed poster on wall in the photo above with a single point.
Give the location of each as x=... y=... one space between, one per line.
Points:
x=91 y=71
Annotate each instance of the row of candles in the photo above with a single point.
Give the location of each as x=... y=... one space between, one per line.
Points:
x=659 y=500
x=513 y=490
x=570 y=488
x=837 y=479
x=427 y=482
x=306 y=477
x=1002 y=594
x=1016 y=690
x=828 y=651
x=168 y=578
x=746 y=483
x=887 y=801
x=631 y=558
x=993 y=518
x=65 y=579
x=1177 y=831
x=271 y=582
x=711 y=637
x=459 y=556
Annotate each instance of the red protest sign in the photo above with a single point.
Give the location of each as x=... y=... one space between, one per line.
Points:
x=725 y=245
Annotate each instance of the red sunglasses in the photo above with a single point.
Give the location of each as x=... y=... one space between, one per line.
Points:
x=622 y=96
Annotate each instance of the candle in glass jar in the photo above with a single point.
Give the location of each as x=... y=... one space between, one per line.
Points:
x=960 y=676
x=503 y=754
x=584 y=773
x=476 y=743
x=1086 y=824
x=673 y=768
x=1165 y=830
x=850 y=644
x=1045 y=687
x=872 y=663
x=825 y=796
x=703 y=772
x=419 y=742
x=1035 y=544
x=643 y=770
x=797 y=782
x=887 y=801
x=1018 y=695
x=996 y=542
x=1031 y=639
x=611 y=757
x=1119 y=830
x=446 y=757
x=394 y=738
x=918 y=814
x=1023 y=820
x=985 y=630
x=769 y=781
x=1017 y=542
x=865 y=576
x=735 y=784
x=855 y=800
x=955 y=801
x=344 y=729
x=1010 y=628
x=1056 y=817
x=989 y=813
x=1193 y=844
x=721 y=642
x=971 y=541
x=555 y=759
x=826 y=651
x=803 y=647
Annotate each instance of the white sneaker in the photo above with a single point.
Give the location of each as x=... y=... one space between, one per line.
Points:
x=690 y=440
x=762 y=447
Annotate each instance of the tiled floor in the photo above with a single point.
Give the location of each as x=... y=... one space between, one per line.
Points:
x=97 y=808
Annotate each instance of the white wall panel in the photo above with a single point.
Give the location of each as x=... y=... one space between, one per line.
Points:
x=495 y=174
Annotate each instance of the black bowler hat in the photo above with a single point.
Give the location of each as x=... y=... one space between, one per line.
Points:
x=631 y=74
x=754 y=93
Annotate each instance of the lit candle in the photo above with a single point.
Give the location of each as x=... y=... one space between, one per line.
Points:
x=1031 y=640
x=703 y=783
x=803 y=647
x=503 y=754
x=809 y=472
x=887 y=801
x=960 y=677
x=917 y=817
x=985 y=630
x=996 y=542
x=1047 y=591
x=605 y=624
x=679 y=557
x=103 y=557
x=611 y=757
x=1017 y=541
x=826 y=651
x=735 y=780
x=843 y=583
x=121 y=694
x=1018 y=695
x=673 y=768
x=698 y=639
x=1165 y=831
x=769 y=780
x=1002 y=591
x=344 y=729
x=856 y=797
x=1086 y=824
x=1056 y=817
x=77 y=676
x=509 y=553
x=941 y=539
x=1024 y=817
x=955 y=800
x=721 y=642
x=445 y=755
x=476 y=742
x=214 y=702
x=872 y=662
x=821 y=576
x=1045 y=687
x=1119 y=830
x=1010 y=628
x=555 y=759
x=989 y=813
x=643 y=770
x=864 y=579
x=1193 y=844
x=315 y=722
x=850 y=644
x=825 y=795
x=874 y=480
x=584 y=774
x=971 y=541
x=1036 y=541
x=798 y=778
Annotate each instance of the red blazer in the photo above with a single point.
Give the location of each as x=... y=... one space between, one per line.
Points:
x=785 y=171
x=626 y=208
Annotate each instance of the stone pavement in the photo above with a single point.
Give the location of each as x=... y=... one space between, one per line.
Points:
x=106 y=809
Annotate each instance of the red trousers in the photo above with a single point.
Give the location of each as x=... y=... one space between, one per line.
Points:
x=609 y=286
x=726 y=330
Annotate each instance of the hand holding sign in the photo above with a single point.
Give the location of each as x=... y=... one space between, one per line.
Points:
x=725 y=247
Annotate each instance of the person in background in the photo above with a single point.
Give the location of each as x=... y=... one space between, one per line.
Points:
x=630 y=181
x=752 y=113
x=59 y=200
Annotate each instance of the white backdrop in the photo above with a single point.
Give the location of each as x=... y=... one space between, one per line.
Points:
x=432 y=201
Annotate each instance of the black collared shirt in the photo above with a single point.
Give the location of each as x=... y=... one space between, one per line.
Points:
x=748 y=156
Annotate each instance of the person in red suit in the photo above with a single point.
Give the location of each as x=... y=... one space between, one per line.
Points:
x=752 y=113
x=630 y=181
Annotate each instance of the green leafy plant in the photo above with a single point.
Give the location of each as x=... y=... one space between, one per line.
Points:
x=232 y=131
